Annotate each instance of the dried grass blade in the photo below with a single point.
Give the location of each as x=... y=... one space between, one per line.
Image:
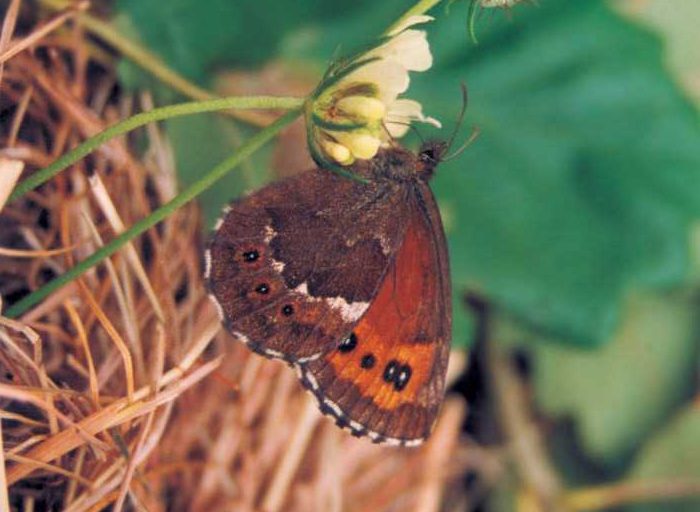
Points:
x=110 y=212
x=19 y=113
x=35 y=464
x=19 y=253
x=82 y=336
x=10 y=171
x=43 y=30
x=277 y=492
x=114 y=335
x=115 y=414
x=8 y=27
x=4 y=498
x=125 y=306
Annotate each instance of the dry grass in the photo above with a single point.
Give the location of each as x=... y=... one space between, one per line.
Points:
x=120 y=390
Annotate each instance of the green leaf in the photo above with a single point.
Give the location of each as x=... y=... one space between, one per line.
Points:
x=199 y=143
x=619 y=394
x=586 y=175
x=673 y=454
x=195 y=37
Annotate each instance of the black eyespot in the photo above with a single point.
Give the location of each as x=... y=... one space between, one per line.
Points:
x=250 y=256
x=348 y=344
x=403 y=377
x=390 y=371
x=368 y=361
x=262 y=289
x=287 y=310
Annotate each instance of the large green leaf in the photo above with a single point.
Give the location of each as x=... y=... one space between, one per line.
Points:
x=673 y=454
x=199 y=143
x=587 y=171
x=195 y=37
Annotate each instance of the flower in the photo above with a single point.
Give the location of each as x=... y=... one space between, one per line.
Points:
x=356 y=108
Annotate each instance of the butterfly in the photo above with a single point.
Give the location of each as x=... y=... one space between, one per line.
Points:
x=347 y=280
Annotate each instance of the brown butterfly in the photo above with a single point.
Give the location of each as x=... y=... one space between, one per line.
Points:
x=348 y=281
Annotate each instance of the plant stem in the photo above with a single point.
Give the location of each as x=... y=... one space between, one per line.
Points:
x=157 y=114
x=421 y=7
x=219 y=171
x=606 y=497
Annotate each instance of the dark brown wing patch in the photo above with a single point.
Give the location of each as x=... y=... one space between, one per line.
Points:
x=282 y=266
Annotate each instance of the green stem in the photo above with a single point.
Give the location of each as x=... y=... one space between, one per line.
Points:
x=421 y=7
x=157 y=114
x=247 y=149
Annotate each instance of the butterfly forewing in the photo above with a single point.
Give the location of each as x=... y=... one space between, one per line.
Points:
x=294 y=266
x=386 y=378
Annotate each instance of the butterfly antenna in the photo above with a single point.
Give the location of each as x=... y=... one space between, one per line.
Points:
x=392 y=139
x=460 y=117
x=411 y=126
x=467 y=143
x=417 y=132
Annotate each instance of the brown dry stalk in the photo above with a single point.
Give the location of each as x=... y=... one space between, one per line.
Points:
x=8 y=27
x=115 y=414
x=530 y=456
x=274 y=498
x=4 y=497
x=10 y=171
x=40 y=31
x=114 y=335
x=610 y=496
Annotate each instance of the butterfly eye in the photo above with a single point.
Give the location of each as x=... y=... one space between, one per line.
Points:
x=402 y=378
x=368 y=361
x=390 y=371
x=262 y=289
x=348 y=344
x=250 y=256
x=397 y=374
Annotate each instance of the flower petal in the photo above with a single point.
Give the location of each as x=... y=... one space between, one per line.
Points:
x=390 y=77
x=409 y=48
x=409 y=22
x=404 y=111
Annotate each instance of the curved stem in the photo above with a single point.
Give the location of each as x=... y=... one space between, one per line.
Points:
x=615 y=495
x=421 y=7
x=219 y=171
x=157 y=114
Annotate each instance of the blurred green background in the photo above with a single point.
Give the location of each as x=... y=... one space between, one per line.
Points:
x=574 y=214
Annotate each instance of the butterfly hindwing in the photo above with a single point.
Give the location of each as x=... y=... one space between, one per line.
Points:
x=386 y=378
x=292 y=267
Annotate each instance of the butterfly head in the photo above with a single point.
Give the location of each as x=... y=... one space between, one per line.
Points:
x=430 y=155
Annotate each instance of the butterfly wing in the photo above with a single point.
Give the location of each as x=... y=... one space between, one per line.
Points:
x=293 y=266
x=386 y=378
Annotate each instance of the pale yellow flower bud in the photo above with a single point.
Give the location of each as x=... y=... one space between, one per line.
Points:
x=337 y=152
x=362 y=107
x=361 y=145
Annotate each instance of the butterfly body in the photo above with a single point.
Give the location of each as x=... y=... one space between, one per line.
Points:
x=348 y=281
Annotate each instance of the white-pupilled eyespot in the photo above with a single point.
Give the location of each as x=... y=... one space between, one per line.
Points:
x=356 y=108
